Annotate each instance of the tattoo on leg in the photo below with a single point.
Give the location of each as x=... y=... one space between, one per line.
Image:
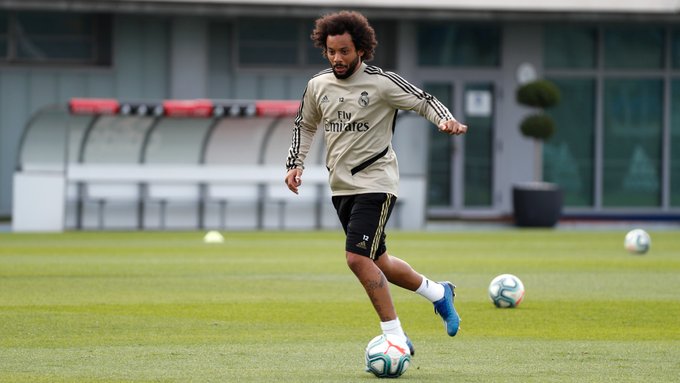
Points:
x=372 y=286
x=376 y=284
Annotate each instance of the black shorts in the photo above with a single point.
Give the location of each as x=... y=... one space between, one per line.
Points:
x=363 y=218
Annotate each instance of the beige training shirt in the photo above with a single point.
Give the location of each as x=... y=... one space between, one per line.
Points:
x=358 y=116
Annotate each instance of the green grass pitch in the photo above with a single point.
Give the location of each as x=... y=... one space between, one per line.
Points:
x=284 y=307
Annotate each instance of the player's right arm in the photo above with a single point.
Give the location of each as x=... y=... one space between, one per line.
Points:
x=294 y=179
x=304 y=128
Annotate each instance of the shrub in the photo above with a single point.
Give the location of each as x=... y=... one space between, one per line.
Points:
x=539 y=94
x=538 y=126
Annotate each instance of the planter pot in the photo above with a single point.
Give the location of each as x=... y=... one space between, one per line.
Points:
x=537 y=204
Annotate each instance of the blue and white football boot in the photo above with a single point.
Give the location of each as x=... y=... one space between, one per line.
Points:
x=411 y=349
x=444 y=307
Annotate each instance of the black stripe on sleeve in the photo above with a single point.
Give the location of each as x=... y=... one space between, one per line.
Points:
x=294 y=150
x=409 y=88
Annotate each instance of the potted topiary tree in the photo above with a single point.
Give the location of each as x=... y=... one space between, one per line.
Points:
x=537 y=203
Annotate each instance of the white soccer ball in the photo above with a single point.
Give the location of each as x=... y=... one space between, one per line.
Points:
x=213 y=236
x=506 y=290
x=387 y=356
x=637 y=241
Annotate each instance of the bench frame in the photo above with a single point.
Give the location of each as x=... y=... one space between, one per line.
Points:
x=201 y=176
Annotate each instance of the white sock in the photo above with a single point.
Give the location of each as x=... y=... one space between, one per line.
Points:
x=393 y=327
x=433 y=291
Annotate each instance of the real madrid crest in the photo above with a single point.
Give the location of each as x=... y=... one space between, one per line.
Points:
x=363 y=100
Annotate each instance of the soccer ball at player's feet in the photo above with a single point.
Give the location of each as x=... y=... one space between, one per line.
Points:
x=387 y=356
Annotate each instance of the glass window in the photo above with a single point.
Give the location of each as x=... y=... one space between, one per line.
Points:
x=675 y=145
x=276 y=42
x=568 y=155
x=4 y=30
x=385 y=53
x=630 y=47
x=458 y=45
x=62 y=38
x=675 y=49
x=55 y=36
x=632 y=137
x=268 y=42
x=478 y=146
x=312 y=53
x=569 y=47
x=439 y=153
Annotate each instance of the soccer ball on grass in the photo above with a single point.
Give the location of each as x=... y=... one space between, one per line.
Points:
x=387 y=356
x=637 y=241
x=506 y=290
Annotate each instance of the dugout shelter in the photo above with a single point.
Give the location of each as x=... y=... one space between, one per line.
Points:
x=105 y=164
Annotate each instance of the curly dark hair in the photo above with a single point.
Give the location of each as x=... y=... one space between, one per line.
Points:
x=356 y=24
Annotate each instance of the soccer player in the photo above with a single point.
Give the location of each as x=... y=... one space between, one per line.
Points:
x=356 y=105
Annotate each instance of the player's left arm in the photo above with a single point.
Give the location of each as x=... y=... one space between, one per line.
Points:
x=452 y=126
x=406 y=96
